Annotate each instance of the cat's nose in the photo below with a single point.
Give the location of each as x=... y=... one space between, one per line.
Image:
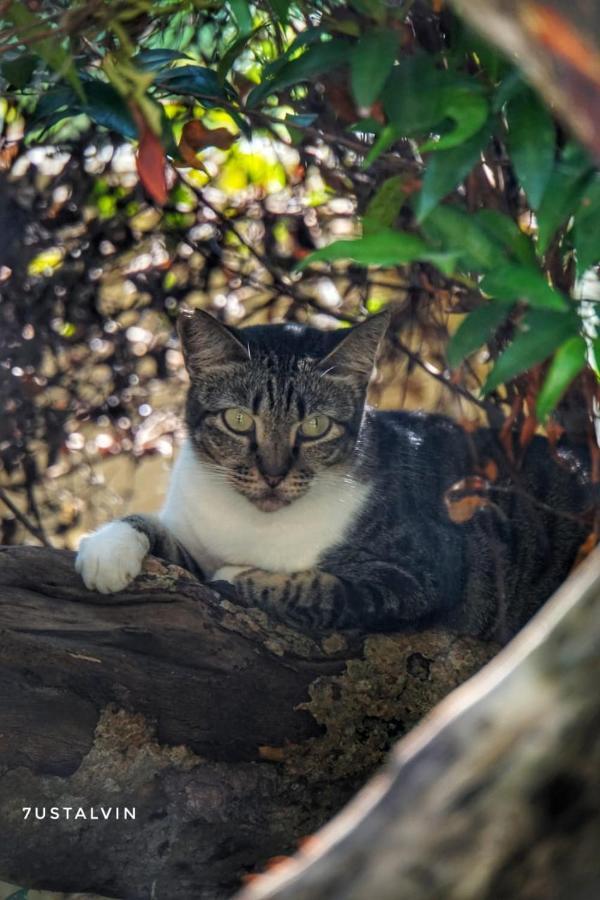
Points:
x=273 y=480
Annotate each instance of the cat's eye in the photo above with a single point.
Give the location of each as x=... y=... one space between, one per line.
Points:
x=315 y=426
x=238 y=420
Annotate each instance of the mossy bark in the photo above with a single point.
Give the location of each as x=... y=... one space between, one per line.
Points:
x=231 y=735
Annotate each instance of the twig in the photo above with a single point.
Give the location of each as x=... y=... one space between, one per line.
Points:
x=22 y=518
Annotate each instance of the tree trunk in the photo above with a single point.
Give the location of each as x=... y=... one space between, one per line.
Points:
x=557 y=44
x=231 y=736
x=495 y=797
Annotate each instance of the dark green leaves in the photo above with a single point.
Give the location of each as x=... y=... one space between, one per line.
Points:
x=317 y=58
x=568 y=362
x=154 y=60
x=446 y=169
x=467 y=109
x=196 y=81
x=541 y=333
x=18 y=71
x=455 y=231
x=565 y=188
x=531 y=143
x=103 y=105
x=517 y=282
x=50 y=49
x=587 y=226
x=382 y=248
x=372 y=58
x=475 y=330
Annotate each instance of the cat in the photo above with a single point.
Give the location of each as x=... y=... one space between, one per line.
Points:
x=292 y=495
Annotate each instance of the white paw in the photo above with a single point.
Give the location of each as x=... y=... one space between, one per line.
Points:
x=111 y=557
x=229 y=573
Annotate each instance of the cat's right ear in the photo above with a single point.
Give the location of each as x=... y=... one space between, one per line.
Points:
x=207 y=343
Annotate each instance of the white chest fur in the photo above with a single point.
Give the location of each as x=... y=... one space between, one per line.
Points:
x=218 y=526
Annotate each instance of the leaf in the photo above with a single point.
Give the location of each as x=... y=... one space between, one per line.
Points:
x=506 y=231
x=542 y=332
x=382 y=248
x=195 y=136
x=446 y=169
x=384 y=207
x=153 y=60
x=106 y=107
x=531 y=143
x=371 y=61
x=242 y=15
x=412 y=95
x=468 y=109
x=517 y=282
x=49 y=49
x=150 y=162
x=318 y=58
x=568 y=362
x=564 y=190
x=586 y=231
x=197 y=81
x=475 y=330
x=282 y=8
x=456 y=231
x=18 y=71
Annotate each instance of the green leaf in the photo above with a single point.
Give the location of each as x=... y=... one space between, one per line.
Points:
x=282 y=8
x=318 y=58
x=196 y=81
x=107 y=108
x=531 y=143
x=469 y=111
x=154 y=60
x=242 y=14
x=568 y=362
x=475 y=330
x=455 y=231
x=371 y=61
x=382 y=248
x=18 y=71
x=446 y=169
x=565 y=188
x=517 y=282
x=49 y=49
x=384 y=207
x=506 y=231
x=542 y=332
x=586 y=232
x=412 y=95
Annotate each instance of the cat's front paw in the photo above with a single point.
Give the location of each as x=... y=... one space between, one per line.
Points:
x=112 y=557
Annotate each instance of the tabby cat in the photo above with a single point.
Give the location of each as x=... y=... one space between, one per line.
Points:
x=290 y=494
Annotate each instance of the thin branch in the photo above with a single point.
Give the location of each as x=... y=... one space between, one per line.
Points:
x=24 y=520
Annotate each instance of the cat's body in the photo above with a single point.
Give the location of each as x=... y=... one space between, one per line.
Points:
x=348 y=528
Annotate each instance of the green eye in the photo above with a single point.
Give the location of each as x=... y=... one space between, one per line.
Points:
x=315 y=426
x=238 y=420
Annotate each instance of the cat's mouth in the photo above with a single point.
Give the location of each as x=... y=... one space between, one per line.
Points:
x=270 y=501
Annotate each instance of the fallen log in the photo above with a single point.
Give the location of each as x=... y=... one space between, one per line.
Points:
x=231 y=736
x=495 y=796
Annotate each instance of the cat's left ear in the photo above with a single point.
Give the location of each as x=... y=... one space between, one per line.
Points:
x=207 y=343
x=356 y=353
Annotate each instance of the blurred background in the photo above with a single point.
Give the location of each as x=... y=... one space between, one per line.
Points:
x=94 y=266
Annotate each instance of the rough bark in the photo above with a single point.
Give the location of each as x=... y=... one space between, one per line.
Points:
x=232 y=736
x=557 y=44
x=496 y=796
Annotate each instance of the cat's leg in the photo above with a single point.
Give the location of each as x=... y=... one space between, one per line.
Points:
x=382 y=597
x=110 y=558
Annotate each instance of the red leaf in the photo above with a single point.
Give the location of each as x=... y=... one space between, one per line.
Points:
x=150 y=162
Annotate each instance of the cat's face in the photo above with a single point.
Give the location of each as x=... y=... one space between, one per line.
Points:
x=271 y=407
